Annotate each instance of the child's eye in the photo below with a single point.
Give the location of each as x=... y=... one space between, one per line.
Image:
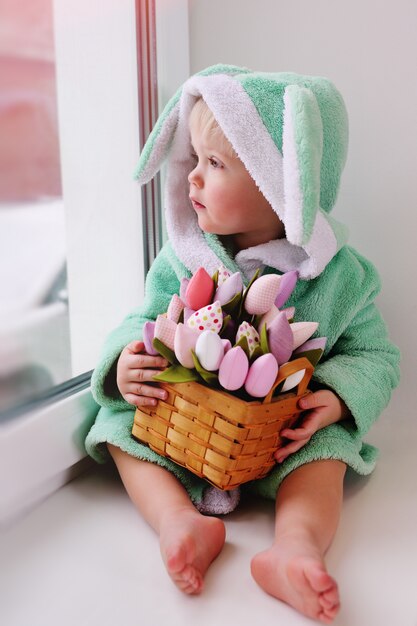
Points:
x=193 y=156
x=214 y=162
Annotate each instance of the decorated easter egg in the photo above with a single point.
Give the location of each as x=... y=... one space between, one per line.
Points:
x=227 y=290
x=286 y=287
x=247 y=330
x=222 y=275
x=175 y=308
x=280 y=338
x=209 y=350
x=233 y=369
x=262 y=294
x=302 y=331
x=165 y=331
x=148 y=332
x=184 y=342
x=261 y=375
x=208 y=318
x=199 y=290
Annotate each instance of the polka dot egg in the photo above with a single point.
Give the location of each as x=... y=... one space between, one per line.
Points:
x=223 y=275
x=251 y=334
x=209 y=317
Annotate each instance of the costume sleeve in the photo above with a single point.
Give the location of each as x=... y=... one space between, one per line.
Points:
x=162 y=281
x=362 y=365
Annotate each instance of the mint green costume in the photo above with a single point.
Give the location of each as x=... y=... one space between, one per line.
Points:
x=290 y=131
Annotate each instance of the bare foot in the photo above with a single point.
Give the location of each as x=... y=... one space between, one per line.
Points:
x=293 y=571
x=189 y=542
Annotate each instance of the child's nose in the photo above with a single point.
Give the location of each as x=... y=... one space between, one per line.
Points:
x=194 y=178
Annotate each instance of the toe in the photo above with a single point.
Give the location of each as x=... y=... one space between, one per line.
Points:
x=329 y=598
x=320 y=580
x=188 y=580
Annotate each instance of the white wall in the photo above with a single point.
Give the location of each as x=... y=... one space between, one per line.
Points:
x=368 y=49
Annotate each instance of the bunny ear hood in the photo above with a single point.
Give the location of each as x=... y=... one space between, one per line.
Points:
x=291 y=133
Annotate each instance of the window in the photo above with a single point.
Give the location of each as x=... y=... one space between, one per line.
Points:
x=99 y=111
x=34 y=324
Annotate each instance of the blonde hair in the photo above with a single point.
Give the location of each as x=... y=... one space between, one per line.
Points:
x=203 y=117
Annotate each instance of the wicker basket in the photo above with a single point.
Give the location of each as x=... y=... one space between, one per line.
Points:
x=218 y=436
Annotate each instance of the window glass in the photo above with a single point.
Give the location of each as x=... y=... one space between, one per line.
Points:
x=34 y=325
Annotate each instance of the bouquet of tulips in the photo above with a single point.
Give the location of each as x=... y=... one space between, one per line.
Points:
x=219 y=333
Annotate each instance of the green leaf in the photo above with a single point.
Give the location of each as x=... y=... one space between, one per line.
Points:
x=209 y=377
x=243 y=343
x=312 y=355
x=256 y=353
x=164 y=351
x=215 y=279
x=233 y=305
x=264 y=339
x=255 y=320
x=226 y=320
x=177 y=374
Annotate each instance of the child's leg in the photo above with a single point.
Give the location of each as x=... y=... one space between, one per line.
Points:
x=189 y=541
x=307 y=514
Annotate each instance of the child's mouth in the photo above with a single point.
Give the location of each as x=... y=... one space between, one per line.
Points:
x=197 y=205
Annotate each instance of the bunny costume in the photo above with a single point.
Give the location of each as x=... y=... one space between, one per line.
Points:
x=291 y=133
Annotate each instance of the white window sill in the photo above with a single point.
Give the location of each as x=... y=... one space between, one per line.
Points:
x=42 y=450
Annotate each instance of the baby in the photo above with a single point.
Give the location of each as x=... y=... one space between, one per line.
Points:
x=254 y=165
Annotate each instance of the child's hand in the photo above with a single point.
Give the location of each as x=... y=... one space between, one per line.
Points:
x=134 y=369
x=322 y=408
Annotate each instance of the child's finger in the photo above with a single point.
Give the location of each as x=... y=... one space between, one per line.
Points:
x=282 y=453
x=139 y=400
x=143 y=361
x=294 y=433
x=136 y=347
x=149 y=391
x=312 y=401
x=142 y=375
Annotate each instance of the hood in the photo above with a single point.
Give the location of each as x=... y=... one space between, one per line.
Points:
x=300 y=128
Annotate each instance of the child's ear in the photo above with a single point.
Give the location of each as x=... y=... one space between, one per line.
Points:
x=302 y=149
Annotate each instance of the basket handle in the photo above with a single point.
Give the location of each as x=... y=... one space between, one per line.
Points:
x=292 y=367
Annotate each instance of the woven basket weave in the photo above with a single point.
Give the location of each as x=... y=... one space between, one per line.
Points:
x=218 y=436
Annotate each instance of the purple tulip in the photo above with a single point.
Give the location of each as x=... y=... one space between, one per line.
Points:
x=318 y=343
x=286 y=287
x=148 y=332
x=280 y=338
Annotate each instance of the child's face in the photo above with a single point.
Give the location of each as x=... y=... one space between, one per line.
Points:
x=226 y=198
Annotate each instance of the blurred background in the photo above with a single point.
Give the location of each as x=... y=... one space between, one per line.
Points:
x=34 y=326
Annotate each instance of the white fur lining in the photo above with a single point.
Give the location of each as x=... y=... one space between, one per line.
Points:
x=310 y=260
x=160 y=147
x=291 y=176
